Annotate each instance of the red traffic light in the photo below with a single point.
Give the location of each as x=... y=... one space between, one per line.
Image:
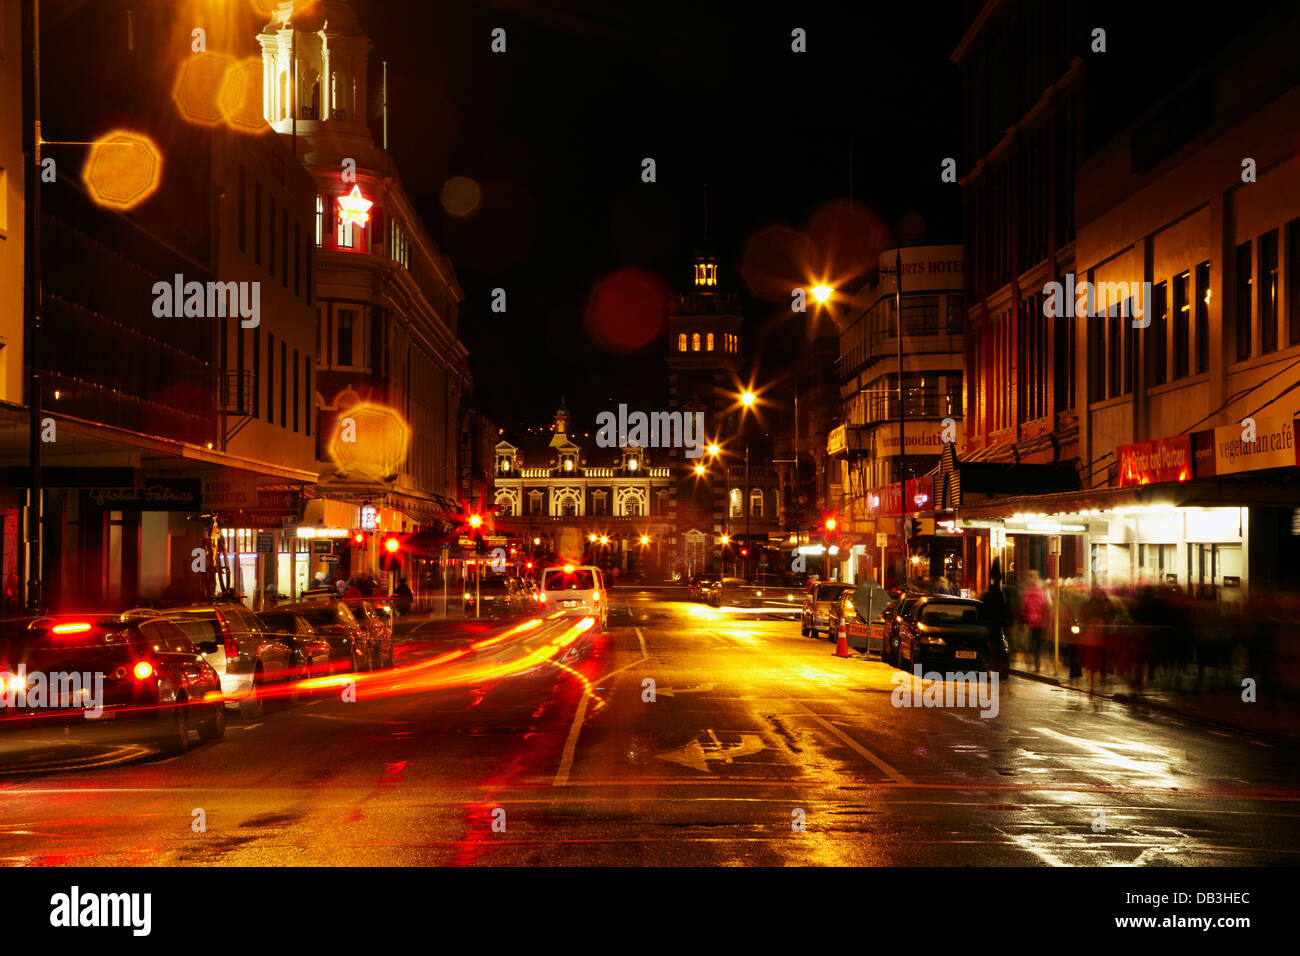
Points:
x=744 y=552
x=830 y=524
x=475 y=521
x=392 y=545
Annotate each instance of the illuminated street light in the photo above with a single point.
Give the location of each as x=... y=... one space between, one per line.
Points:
x=726 y=539
x=645 y=539
x=475 y=521
x=699 y=469
x=604 y=539
x=830 y=524
x=822 y=292
x=748 y=399
x=714 y=450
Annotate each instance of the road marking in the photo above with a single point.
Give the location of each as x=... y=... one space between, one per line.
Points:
x=250 y=726
x=697 y=689
x=641 y=637
x=695 y=756
x=571 y=744
x=857 y=748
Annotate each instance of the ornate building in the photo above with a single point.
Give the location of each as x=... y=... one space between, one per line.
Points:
x=555 y=504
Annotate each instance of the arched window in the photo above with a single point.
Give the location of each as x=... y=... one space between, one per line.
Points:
x=681 y=342
x=756 y=503
x=737 y=505
x=710 y=341
x=695 y=342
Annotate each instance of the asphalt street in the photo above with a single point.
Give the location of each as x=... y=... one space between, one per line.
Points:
x=547 y=744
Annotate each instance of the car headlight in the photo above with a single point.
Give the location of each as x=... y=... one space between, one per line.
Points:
x=938 y=641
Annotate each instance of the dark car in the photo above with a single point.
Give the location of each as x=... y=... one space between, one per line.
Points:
x=247 y=655
x=700 y=585
x=943 y=631
x=143 y=673
x=494 y=596
x=352 y=643
x=891 y=615
x=311 y=651
x=377 y=616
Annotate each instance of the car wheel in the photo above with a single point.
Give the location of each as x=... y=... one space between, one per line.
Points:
x=175 y=739
x=803 y=629
x=253 y=706
x=215 y=728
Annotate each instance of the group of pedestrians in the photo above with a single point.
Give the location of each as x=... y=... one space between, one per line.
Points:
x=365 y=586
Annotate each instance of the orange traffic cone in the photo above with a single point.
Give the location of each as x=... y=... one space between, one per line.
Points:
x=842 y=643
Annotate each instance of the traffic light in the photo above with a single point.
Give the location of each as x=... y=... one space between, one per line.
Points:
x=392 y=545
x=913 y=527
x=475 y=520
x=389 y=552
x=744 y=552
x=830 y=524
x=359 y=541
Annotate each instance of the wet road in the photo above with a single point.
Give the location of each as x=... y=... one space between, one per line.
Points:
x=759 y=747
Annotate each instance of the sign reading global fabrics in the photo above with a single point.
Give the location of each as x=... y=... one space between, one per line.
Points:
x=1156 y=461
x=1226 y=451
x=157 y=494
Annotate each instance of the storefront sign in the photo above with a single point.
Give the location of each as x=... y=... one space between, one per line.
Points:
x=836 y=442
x=1156 y=461
x=923 y=438
x=920 y=494
x=1274 y=447
x=322 y=546
x=265 y=543
x=158 y=494
x=885 y=501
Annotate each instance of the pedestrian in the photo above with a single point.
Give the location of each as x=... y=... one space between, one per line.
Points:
x=362 y=583
x=1036 y=608
x=404 y=597
x=999 y=615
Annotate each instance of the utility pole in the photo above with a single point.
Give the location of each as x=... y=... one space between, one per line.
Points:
x=902 y=443
x=32 y=305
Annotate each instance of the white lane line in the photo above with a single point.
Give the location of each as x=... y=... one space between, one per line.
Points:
x=571 y=744
x=857 y=748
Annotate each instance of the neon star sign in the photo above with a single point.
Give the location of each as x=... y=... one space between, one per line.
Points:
x=354 y=207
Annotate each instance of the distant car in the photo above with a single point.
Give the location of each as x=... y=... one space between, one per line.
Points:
x=736 y=593
x=154 y=676
x=247 y=654
x=311 y=651
x=493 y=593
x=815 y=618
x=577 y=590
x=700 y=584
x=952 y=633
x=352 y=644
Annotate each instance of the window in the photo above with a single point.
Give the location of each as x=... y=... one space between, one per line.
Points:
x=695 y=342
x=257 y=370
x=343 y=351
x=598 y=503
x=257 y=221
x=270 y=235
x=320 y=220
x=1157 y=332
x=1244 y=314
x=1130 y=344
x=737 y=507
x=297 y=258
x=241 y=214
x=306 y=397
x=534 y=502
x=295 y=389
x=270 y=378
x=681 y=342
x=756 y=503
x=710 y=342
x=284 y=248
x=347 y=235
x=284 y=381
x=1182 y=324
x=632 y=507
x=1268 y=292
x=1293 y=282
x=1202 y=317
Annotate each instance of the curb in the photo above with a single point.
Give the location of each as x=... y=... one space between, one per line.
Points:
x=1135 y=700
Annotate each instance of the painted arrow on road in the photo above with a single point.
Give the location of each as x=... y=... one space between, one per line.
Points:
x=697 y=756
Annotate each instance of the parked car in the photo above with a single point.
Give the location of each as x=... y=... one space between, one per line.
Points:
x=739 y=593
x=892 y=616
x=155 y=679
x=698 y=589
x=247 y=655
x=841 y=609
x=352 y=643
x=311 y=651
x=815 y=617
x=377 y=618
x=577 y=590
x=494 y=595
x=940 y=630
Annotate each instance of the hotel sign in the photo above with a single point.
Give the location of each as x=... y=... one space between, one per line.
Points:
x=1156 y=461
x=836 y=442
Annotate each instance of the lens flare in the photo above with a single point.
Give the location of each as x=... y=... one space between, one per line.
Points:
x=123 y=170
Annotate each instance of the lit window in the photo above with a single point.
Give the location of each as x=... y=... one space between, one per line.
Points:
x=320 y=220
x=347 y=235
x=710 y=342
x=681 y=342
x=695 y=342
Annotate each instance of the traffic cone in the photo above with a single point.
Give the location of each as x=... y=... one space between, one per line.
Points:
x=842 y=643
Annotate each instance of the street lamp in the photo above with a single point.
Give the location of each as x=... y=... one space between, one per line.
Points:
x=699 y=469
x=822 y=293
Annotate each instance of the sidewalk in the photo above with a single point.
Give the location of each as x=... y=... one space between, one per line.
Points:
x=1218 y=704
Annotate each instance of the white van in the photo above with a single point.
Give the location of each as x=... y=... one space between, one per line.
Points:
x=575 y=590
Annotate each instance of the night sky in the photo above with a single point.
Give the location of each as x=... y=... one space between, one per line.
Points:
x=554 y=132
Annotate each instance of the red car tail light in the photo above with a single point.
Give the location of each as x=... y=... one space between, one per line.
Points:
x=76 y=628
x=232 y=647
x=143 y=670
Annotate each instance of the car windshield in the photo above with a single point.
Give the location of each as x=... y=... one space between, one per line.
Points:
x=496 y=585
x=829 y=592
x=580 y=579
x=952 y=614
